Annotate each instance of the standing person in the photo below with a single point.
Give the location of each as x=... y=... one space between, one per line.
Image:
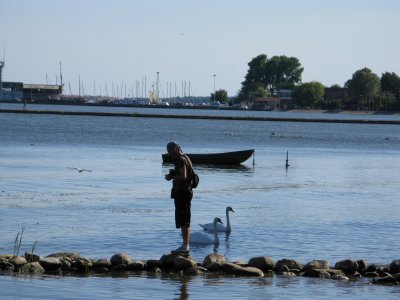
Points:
x=181 y=192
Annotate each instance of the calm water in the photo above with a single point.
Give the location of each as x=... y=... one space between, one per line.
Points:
x=337 y=200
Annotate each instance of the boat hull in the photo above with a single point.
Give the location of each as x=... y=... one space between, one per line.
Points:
x=224 y=158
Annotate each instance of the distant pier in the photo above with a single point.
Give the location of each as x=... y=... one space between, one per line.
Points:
x=192 y=117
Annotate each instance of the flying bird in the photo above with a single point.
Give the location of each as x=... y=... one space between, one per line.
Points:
x=81 y=170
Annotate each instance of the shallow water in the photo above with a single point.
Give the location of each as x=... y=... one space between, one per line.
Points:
x=338 y=199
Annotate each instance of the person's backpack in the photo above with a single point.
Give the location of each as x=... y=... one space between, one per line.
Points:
x=195 y=180
x=195 y=176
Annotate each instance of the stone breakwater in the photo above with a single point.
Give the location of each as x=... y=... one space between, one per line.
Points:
x=70 y=263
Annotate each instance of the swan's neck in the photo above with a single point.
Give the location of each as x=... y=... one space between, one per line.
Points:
x=228 y=224
x=216 y=239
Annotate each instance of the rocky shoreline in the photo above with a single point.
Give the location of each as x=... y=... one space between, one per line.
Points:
x=73 y=264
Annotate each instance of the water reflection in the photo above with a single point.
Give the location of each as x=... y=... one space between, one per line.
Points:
x=212 y=168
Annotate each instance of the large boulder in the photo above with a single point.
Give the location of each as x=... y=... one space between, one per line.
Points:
x=32 y=268
x=136 y=266
x=394 y=267
x=5 y=264
x=263 y=263
x=121 y=259
x=50 y=263
x=348 y=266
x=213 y=258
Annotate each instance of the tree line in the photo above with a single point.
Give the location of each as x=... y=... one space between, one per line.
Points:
x=266 y=76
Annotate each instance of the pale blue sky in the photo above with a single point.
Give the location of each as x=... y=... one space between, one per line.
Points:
x=127 y=40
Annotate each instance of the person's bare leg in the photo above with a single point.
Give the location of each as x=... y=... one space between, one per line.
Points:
x=186 y=235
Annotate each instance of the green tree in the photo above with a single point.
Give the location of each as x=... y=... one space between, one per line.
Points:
x=309 y=94
x=364 y=88
x=390 y=82
x=267 y=76
x=221 y=96
x=282 y=72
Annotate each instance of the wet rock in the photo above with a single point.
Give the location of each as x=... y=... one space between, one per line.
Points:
x=120 y=258
x=371 y=274
x=263 y=263
x=241 y=271
x=6 y=265
x=82 y=264
x=319 y=273
x=18 y=261
x=32 y=268
x=385 y=280
x=394 y=267
x=288 y=274
x=119 y=268
x=102 y=263
x=290 y=263
x=212 y=258
x=71 y=255
x=362 y=265
x=335 y=272
x=182 y=263
x=168 y=260
x=50 y=263
x=348 y=266
x=153 y=264
x=339 y=277
x=316 y=264
x=214 y=267
x=31 y=257
x=6 y=256
x=136 y=266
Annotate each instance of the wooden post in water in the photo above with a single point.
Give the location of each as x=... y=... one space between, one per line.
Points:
x=287 y=159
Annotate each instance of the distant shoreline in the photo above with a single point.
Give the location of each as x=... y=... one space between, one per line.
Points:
x=232 y=118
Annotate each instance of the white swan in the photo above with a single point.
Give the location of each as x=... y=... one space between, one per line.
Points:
x=220 y=227
x=203 y=238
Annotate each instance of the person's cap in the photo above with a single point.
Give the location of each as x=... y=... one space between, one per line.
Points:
x=171 y=146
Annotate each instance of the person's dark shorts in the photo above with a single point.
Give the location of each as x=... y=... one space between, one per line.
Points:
x=183 y=202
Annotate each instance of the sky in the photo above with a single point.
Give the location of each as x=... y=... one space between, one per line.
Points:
x=125 y=43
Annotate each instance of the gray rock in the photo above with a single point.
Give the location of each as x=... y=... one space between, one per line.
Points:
x=31 y=268
x=82 y=264
x=168 y=260
x=121 y=258
x=362 y=265
x=316 y=264
x=394 y=267
x=182 y=263
x=319 y=273
x=71 y=255
x=213 y=257
x=348 y=266
x=136 y=266
x=340 y=277
x=214 y=267
x=290 y=263
x=153 y=264
x=5 y=264
x=385 y=280
x=18 y=261
x=102 y=263
x=263 y=263
x=50 y=263
x=241 y=271
x=31 y=257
